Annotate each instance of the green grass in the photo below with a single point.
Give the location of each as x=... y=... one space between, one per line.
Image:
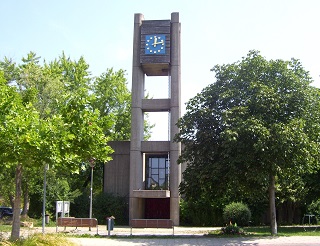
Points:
x=285 y=231
x=40 y=239
x=5 y=228
x=59 y=239
x=36 y=223
x=263 y=231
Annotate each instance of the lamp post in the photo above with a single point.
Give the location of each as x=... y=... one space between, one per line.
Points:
x=92 y=163
x=46 y=168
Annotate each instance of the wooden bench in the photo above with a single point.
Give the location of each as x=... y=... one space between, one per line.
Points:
x=77 y=222
x=151 y=223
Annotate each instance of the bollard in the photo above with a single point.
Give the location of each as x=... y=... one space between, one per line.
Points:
x=110 y=224
x=47 y=218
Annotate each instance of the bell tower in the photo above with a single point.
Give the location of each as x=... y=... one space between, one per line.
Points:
x=154 y=172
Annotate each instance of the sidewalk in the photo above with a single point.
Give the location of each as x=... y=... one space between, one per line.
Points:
x=185 y=236
x=126 y=231
x=200 y=241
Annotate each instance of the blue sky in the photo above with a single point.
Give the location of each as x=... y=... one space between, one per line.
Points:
x=212 y=32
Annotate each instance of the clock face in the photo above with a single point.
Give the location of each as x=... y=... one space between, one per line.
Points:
x=155 y=44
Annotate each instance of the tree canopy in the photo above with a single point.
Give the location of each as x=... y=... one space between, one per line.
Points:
x=257 y=123
x=57 y=113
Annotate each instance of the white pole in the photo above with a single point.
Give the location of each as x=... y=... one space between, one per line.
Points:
x=91 y=163
x=90 y=213
x=46 y=167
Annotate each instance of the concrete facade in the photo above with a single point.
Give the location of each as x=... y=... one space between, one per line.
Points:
x=117 y=171
x=130 y=158
x=141 y=105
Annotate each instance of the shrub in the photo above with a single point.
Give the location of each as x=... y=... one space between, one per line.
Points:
x=103 y=205
x=232 y=229
x=200 y=213
x=237 y=212
x=106 y=205
x=314 y=208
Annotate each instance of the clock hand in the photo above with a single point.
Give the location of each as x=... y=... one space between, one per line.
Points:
x=155 y=41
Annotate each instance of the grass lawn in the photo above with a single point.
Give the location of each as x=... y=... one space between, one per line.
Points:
x=285 y=231
x=40 y=239
x=5 y=228
x=254 y=231
x=263 y=231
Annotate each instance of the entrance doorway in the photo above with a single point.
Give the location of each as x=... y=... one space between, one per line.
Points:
x=157 y=208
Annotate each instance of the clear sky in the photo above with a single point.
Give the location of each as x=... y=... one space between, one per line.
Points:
x=212 y=32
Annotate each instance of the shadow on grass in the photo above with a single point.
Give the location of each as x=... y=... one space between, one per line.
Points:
x=264 y=231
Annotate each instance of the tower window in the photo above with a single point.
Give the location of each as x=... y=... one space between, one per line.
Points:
x=157 y=172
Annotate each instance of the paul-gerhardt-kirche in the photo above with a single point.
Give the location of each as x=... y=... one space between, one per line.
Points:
x=147 y=171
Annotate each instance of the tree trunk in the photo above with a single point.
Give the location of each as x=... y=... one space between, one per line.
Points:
x=272 y=204
x=291 y=211
x=11 y=199
x=26 y=200
x=15 y=232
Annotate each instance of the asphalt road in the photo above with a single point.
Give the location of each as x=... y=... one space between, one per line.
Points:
x=184 y=236
x=201 y=240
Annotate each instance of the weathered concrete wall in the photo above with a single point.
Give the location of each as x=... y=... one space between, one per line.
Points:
x=136 y=205
x=175 y=113
x=117 y=171
x=125 y=175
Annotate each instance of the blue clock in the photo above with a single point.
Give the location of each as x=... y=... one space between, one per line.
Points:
x=155 y=44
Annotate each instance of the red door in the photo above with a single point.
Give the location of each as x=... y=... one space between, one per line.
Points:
x=157 y=208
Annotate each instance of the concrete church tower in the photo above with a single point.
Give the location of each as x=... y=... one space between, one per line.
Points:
x=154 y=173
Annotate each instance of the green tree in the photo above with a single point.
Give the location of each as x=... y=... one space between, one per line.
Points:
x=72 y=115
x=113 y=98
x=37 y=85
x=71 y=135
x=20 y=140
x=48 y=87
x=258 y=121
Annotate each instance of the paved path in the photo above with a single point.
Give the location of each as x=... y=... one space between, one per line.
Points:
x=185 y=236
x=283 y=241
